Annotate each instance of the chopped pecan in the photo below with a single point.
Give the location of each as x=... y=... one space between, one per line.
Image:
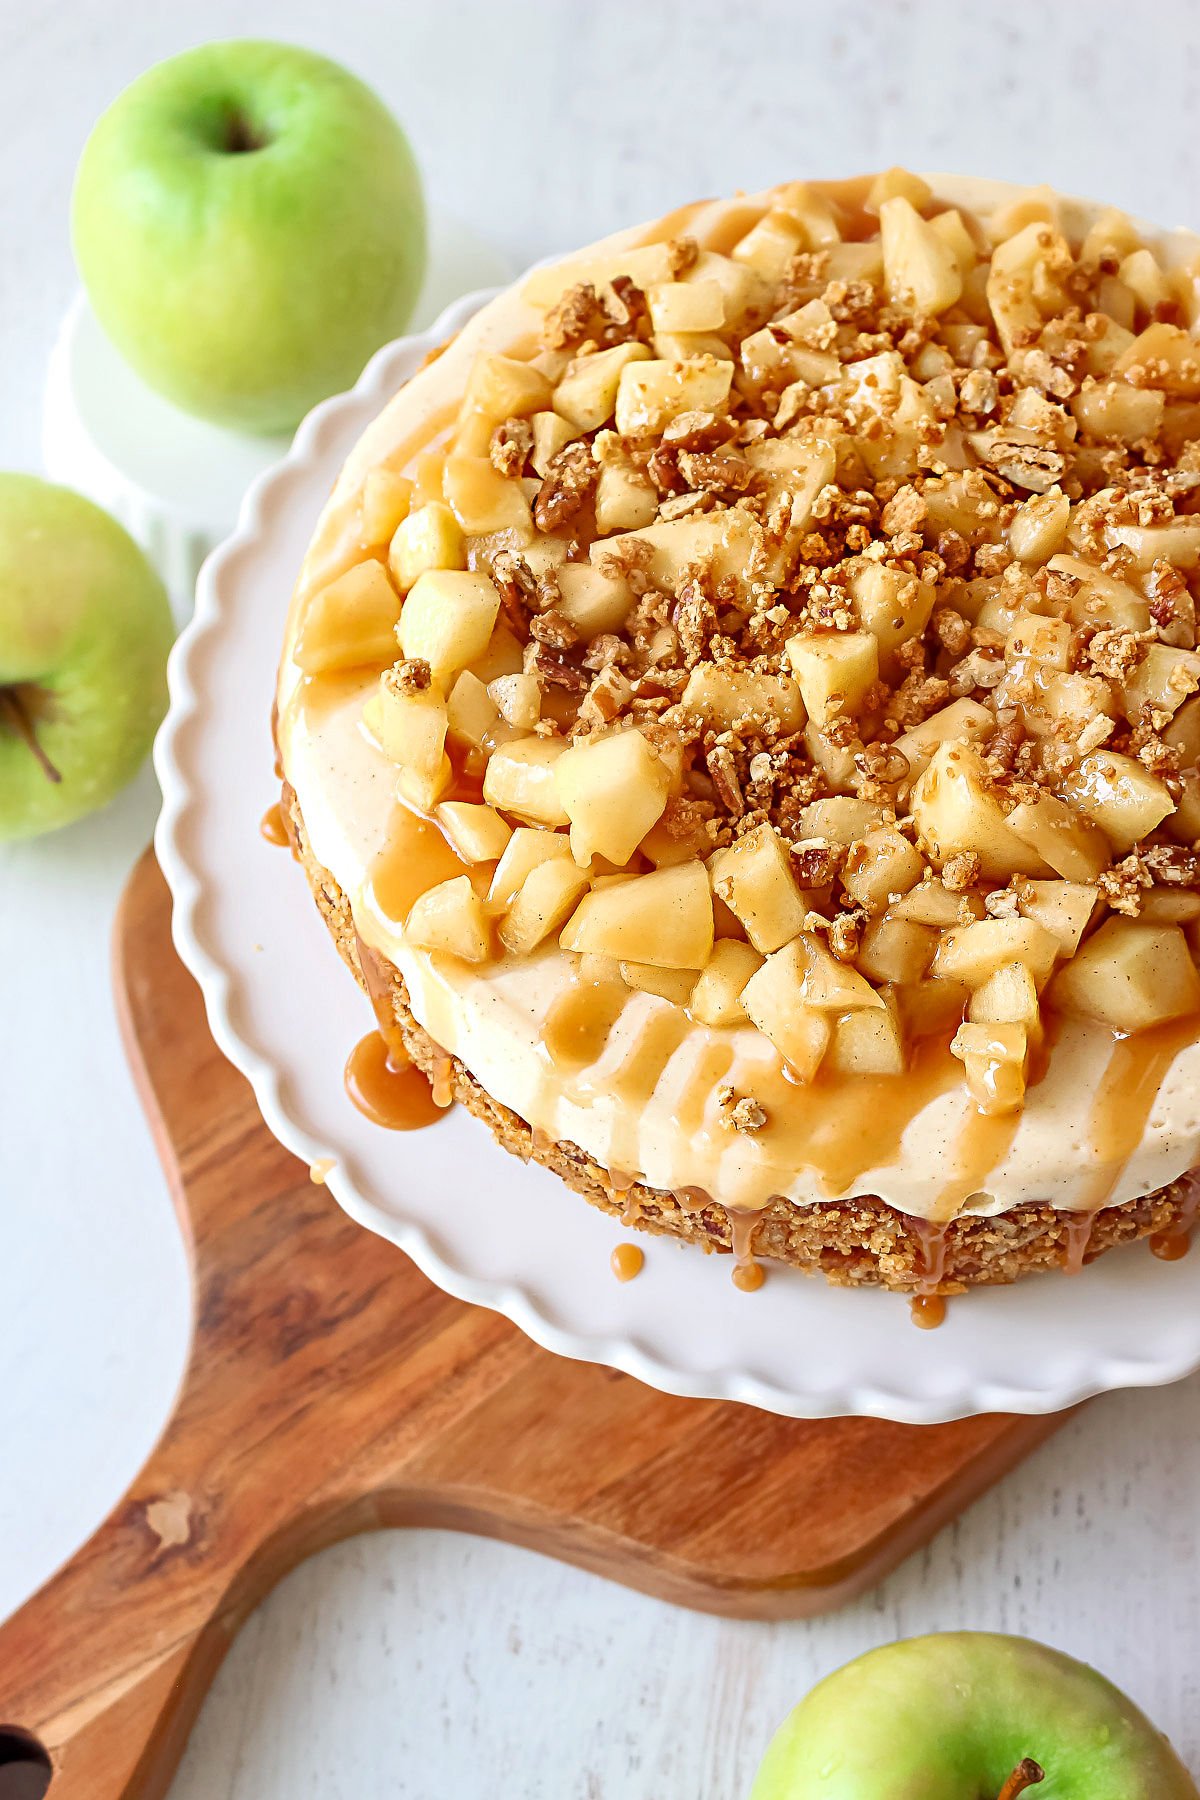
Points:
x=570 y=479
x=510 y=446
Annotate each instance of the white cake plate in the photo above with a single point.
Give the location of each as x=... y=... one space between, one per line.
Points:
x=479 y=1223
x=173 y=481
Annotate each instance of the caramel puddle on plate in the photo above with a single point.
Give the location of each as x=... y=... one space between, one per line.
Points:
x=395 y=1095
x=928 y=1311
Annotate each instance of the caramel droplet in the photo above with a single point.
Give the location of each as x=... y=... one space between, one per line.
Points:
x=748 y=1277
x=1169 y=1246
x=627 y=1261
x=928 y=1311
x=320 y=1171
x=274 y=827
x=386 y=1091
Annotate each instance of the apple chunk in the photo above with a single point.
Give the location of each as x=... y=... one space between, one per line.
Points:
x=918 y=263
x=664 y=919
x=410 y=729
x=519 y=779
x=993 y=1058
x=771 y=998
x=451 y=917
x=1121 y=796
x=542 y=905
x=526 y=849
x=477 y=833
x=867 y=1043
x=716 y=998
x=447 y=619
x=956 y=811
x=972 y=953
x=754 y=878
x=653 y=393
x=834 y=670
x=1073 y=846
x=1130 y=976
x=349 y=623
x=613 y=789
x=429 y=538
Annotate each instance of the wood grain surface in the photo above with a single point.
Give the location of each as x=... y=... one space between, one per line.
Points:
x=331 y=1389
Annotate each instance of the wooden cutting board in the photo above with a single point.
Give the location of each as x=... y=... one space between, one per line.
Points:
x=331 y=1388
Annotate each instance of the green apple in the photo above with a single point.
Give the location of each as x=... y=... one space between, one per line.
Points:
x=85 y=628
x=969 y=1715
x=248 y=221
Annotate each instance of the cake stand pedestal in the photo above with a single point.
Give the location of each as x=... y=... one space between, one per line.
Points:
x=331 y=1389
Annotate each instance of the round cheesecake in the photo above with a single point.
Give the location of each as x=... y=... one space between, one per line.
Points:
x=740 y=720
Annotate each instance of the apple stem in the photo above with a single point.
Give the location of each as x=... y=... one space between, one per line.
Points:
x=1027 y=1774
x=14 y=713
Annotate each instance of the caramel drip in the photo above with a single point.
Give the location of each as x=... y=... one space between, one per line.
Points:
x=1127 y=1090
x=415 y=857
x=579 y=1022
x=747 y=1272
x=627 y=1260
x=441 y=1086
x=1170 y=1246
x=641 y=1071
x=931 y=1241
x=692 y=1199
x=377 y=982
x=842 y=1126
x=1077 y=1236
x=389 y=1093
x=274 y=827
x=703 y=1079
x=981 y=1146
x=928 y=1311
x=320 y=1171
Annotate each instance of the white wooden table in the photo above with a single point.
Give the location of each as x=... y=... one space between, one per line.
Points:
x=420 y=1663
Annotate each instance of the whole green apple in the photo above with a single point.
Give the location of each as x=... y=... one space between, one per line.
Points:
x=85 y=628
x=248 y=221
x=969 y=1715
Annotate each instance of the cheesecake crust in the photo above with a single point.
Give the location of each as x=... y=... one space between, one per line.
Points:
x=854 y=1242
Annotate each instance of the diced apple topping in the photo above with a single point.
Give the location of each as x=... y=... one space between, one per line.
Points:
x=447 y=620
x=1130 y=976
x=349 y=623
x=664 y=919
x=754 y=878
x=613 y=790
x=410 y=727
x=819 y=618
x=478 y=833
x=520 y=779
x=542 y=904
x=716 y=997
x=429 y=538
x=452 y=918
x=834 y=672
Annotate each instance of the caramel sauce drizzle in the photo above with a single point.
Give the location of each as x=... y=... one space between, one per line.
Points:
x=1124 y=1096
x=1077 y=1235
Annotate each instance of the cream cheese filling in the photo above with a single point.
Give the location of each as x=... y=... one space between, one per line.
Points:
x=647 y=1107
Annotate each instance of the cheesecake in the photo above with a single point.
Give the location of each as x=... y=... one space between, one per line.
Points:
x=739 y=716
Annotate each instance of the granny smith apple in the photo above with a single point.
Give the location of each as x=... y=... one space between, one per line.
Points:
x=969 y=1716
x=85 y=628
x=248 y=221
